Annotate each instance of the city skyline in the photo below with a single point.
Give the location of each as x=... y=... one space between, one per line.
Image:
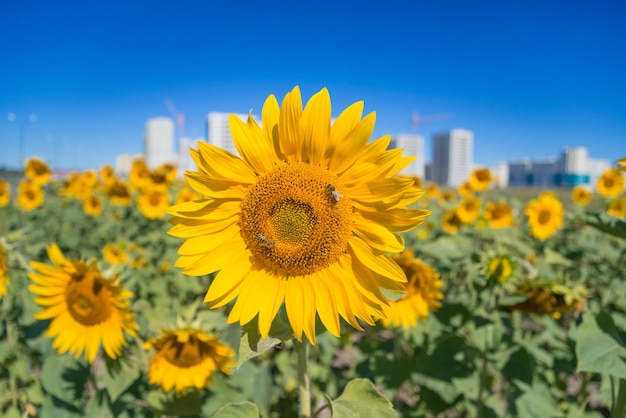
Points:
x=528 y=78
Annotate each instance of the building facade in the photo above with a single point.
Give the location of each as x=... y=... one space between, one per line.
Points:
x=218 y=130
x=453 y=154
x=413 y=145
x=158 y=142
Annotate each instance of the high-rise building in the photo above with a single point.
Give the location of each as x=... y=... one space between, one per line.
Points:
x=573 y=167
x=185 y=162
x=452 y=157
x=218 y=130
x=500 y=172
x=413 y=145
x=158 y=142
x=543 y=173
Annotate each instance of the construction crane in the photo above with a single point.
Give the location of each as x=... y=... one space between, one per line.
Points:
x=179 y=117
x=416 y=119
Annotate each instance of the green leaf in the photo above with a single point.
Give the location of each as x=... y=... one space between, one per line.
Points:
x=599 y=346
x=605 y=223
x=536 y=402
x=448 y=247
x=361 y=399
x=252 y=345
x=64 y=377
x=120 y=374
x=238 y=410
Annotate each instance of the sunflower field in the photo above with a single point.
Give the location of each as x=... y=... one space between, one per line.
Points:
x=306 y=277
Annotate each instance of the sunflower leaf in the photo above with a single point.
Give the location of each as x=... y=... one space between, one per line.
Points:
x=600 y=346
x=361 y=399
x=605 y=223
x=252 y=345
x=238 y=410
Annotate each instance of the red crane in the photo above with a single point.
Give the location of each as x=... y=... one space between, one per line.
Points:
x=416 y=119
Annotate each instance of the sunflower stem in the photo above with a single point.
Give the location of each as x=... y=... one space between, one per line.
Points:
x=619 y=407
x=304 y=381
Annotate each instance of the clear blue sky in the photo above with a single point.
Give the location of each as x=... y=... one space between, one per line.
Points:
x=528 y=77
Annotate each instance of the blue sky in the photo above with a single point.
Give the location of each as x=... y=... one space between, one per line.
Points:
x=528 y=77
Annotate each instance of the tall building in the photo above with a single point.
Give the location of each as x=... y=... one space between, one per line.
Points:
x=218 y=130
x=500 y=172
x=185 y=162
x=573 y=167
x=158 y=142
x=543 y=173
x=413 y=145
x=452 y=157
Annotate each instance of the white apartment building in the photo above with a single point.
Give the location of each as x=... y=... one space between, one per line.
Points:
x=453 y=153
x=185 y=162
x=413 y=145
x=218 y=130
x=158 y=142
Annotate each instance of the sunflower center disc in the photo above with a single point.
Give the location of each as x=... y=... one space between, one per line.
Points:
x=186 y=354
x=296 y=220
x=544 y=216
x=88 y=300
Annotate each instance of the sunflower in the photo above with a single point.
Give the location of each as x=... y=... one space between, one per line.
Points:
x=480 y=179
x=422 y=293
x=4 y=273
x=186 y=195
x=157 y=181
x=118 y=193
x=115 y=253
x=469 y=209
x=446 y=197
x=451 y=222
x=545 y=215
x=107 y=175
x=139 y=174
x=154 y=204
x=465 y=189
x=432 y=191
x=37 y=171
x=92 y=206
x=581 y=196
x=5 y=193
x=622 y=163
x=500 y=268
x=499 y=215
x=617 y=207
x=168 y=170
x=29 y=196
x=137 y=256
x=546 y=298
x=610 y=183
x=305 y=216
x=186 y=359
x=85 y=308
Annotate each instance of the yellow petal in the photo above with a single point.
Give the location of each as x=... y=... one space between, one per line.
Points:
x=316 y=127
x=289 y=130
x=251 y=144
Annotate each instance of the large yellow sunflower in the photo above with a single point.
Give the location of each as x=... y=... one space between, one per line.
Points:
x=581 y=195
x=469 y=209
x=154 y=204
x=4 y=273
x=186 y=359
x=499 y=215
x=118 y=193
x=545 y=215
x=305 y=216
x=92 y=206
x=5 y=193
x=610 y=183
x=451 y=222
x=107 y=175
x=37 y=171
x=422 y=293
x=85 y=308
x=480 y=179
x=29 y=196
x=617 y=207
